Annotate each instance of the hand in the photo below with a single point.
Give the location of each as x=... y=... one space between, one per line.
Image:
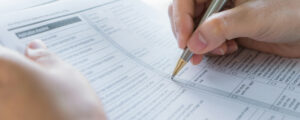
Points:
x=270 y=26
x=42 y=87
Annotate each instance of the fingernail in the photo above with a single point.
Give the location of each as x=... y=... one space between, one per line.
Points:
x=203 y=43
x=180 y=42
x=36 y=44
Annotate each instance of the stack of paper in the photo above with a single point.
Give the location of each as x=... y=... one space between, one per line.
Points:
x=127 y=51
x=15 y=5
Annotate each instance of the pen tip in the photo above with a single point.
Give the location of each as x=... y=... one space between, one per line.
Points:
x=181 y=63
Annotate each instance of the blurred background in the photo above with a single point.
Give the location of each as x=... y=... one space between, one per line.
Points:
x=5 y=5
x=161 y=5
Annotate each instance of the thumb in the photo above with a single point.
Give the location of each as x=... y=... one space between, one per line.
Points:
x=226 y=25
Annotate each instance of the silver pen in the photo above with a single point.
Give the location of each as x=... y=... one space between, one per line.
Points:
x=215 y=6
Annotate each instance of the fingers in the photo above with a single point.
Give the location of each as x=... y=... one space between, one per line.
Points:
x=37 y=44
x=221 y=50
x=36 y=49
x=13 y=65
x=229 y=47
x=38 y=52
x=232 y=46
x=196 y=59
x=183 y=11
x=12 y=58
x=220 y=27
x=260 y=46
x=281 y=49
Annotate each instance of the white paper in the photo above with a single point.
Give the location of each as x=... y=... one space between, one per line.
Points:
x=127 y=52
x=15 y=5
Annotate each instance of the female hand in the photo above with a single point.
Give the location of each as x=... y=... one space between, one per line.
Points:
x=42 y=87
x=270 y=26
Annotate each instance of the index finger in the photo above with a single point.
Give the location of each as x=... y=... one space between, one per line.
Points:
x=183 y=12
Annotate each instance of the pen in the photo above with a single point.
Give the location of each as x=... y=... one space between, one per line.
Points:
x=215 y=6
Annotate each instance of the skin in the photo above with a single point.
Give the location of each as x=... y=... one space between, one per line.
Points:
x=270 y=26
x=37 y=86
x=40 y=86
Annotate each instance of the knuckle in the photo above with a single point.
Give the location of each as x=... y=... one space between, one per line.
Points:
x=220 y=23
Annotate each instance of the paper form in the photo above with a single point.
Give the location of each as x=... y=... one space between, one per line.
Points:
x=128 y=52
x=15 y=5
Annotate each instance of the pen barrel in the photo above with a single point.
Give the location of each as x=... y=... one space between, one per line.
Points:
x=187 y=55
x=215 y=6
